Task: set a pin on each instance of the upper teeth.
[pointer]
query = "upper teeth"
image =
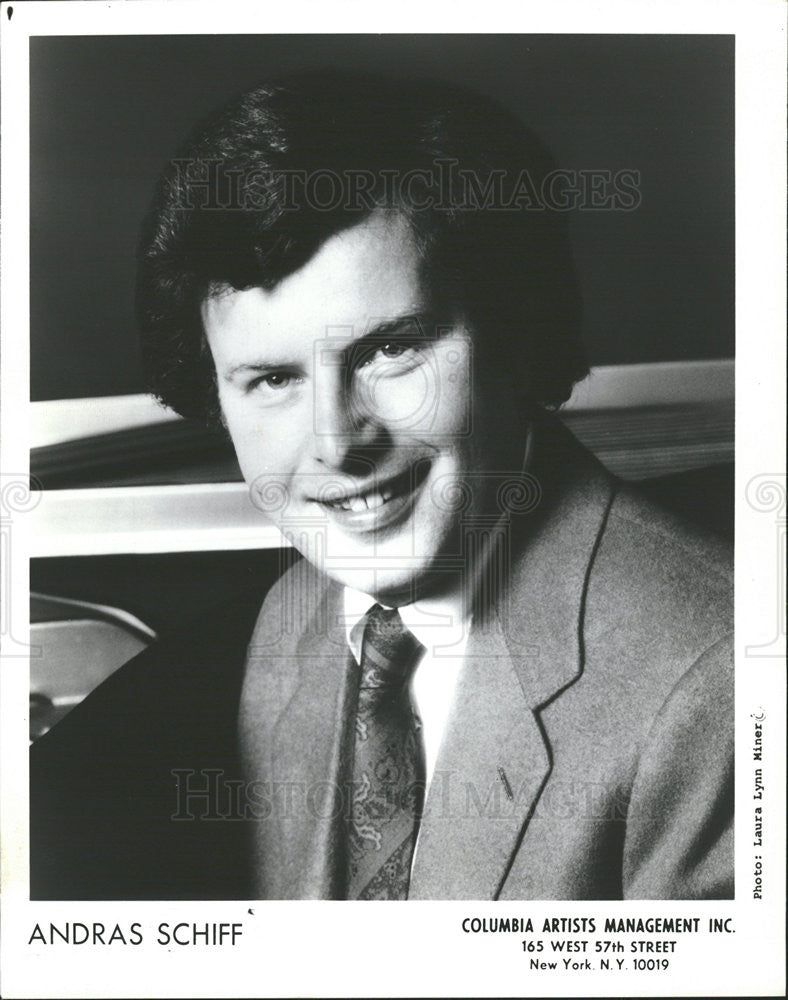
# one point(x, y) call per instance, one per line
point(366, 501)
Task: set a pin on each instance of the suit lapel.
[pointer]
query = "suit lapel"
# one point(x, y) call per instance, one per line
point(492, 764)
point(524, 650)
point(296, 701)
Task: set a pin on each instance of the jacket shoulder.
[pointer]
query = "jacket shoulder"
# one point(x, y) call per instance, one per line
point(634, 516)
point(679, 841)
point(659, 597)
point(654, 569)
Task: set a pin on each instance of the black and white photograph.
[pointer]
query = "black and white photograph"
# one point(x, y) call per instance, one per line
point(386, 465)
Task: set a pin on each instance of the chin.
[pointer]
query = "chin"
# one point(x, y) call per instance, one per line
point(395, 570)
point(393, 586)
point(390, 588)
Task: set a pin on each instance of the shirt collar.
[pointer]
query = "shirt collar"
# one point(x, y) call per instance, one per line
point(437, 622)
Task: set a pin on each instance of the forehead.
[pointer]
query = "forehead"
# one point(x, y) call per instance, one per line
point(370, 272)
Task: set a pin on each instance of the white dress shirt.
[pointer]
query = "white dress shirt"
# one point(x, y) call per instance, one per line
point(442, 628)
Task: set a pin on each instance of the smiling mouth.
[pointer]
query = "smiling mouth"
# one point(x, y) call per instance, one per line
point(396, 488)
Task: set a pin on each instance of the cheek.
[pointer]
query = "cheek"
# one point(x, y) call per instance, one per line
point(404, 405)
point(430, 402)
point(435, 402)
point(268, 464)
point(264, 445)
point(453, 397)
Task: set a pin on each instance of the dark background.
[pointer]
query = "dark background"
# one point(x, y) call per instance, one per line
point(107, 112)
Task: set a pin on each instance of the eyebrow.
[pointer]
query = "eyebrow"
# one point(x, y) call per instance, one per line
point(389, 329)
point(422, 318)
point(257, 367)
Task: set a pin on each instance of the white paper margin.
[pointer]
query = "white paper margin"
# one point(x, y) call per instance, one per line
point(340, 949)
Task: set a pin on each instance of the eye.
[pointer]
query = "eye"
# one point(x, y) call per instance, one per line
point(405, 353)
point(273, 382)
point(392, 350)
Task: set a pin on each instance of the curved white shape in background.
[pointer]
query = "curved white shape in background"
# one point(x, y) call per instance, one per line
point(653, 440)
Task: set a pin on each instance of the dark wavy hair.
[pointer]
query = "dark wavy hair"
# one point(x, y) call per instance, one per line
point(256, 190)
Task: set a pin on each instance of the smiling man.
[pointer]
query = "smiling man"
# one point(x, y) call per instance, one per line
point(497, 672)
point(361, 427)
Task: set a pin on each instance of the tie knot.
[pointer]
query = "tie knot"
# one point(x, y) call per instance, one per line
point(390, 651)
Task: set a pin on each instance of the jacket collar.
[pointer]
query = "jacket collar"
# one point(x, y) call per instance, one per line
point(542, 612)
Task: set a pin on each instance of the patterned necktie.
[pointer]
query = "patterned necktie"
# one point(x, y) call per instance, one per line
point(388, 771)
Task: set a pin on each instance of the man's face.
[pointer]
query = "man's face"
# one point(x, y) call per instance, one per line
point(360, 420)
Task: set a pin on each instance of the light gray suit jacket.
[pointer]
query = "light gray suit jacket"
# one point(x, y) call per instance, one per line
point(599, 683)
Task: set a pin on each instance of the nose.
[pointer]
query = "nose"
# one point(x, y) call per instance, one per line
point(346, 438)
